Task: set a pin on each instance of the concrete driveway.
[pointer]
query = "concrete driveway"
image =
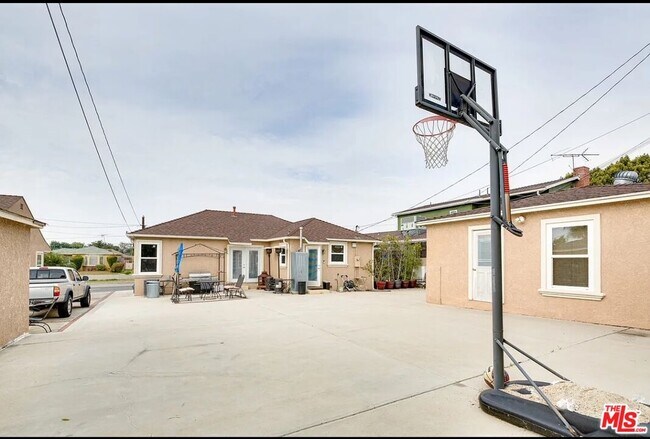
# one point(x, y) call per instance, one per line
point(336, 364)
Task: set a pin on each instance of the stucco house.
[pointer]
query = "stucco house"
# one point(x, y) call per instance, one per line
point(92, 255)
point(584, 256)
point(230, 243)
point(17, 254)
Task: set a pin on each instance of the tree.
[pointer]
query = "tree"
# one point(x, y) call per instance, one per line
point(104, 245)
point(126, 248)
point(110, 260)
point(55, 259)
point(641, 165)
point(78, 261)
point(54, 245)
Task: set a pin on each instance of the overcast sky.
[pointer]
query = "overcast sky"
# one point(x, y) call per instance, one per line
point(295, 111)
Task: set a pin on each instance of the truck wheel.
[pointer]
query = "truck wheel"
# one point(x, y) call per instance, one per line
point(85, 301)
point(65, 309)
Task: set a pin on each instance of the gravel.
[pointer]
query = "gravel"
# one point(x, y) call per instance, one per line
point(588, 401)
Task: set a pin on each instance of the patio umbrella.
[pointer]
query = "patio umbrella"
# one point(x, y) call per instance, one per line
point(179, 257)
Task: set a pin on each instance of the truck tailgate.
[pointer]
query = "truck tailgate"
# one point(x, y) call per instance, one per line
point(40, 293)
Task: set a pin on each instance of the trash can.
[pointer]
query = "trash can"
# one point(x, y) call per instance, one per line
point(151, 288)
point(302, 287)
point(326, 285)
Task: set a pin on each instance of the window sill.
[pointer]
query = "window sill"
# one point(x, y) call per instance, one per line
point(138, 275)
point(337, 264)
point(571, 294)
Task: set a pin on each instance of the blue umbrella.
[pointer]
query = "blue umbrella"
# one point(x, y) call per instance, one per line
point(179, 257)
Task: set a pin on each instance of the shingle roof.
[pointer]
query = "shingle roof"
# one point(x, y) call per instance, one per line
point(6, 201)
point(245, 227)
point(565, 196)
point(237, 227)
point(486, 198)
point(316, 230)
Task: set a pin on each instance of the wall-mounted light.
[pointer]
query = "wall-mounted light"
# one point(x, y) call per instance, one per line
point(520, 219)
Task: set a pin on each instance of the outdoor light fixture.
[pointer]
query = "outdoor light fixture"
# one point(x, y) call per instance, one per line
point(278, 250)
point(520, 219)
point(269, 251)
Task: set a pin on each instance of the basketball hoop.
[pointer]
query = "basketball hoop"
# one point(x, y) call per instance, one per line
point(434, 134)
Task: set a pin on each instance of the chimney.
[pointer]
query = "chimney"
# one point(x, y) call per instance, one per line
point(143, 221)
point(583, 173)
point(234, 210)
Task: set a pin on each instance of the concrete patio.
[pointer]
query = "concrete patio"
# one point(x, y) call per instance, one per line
point(333, 364)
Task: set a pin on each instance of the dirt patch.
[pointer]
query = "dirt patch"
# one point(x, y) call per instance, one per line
point(588, 401)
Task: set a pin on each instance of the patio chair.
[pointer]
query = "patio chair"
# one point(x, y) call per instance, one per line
point(235, 289)
point(44, 308)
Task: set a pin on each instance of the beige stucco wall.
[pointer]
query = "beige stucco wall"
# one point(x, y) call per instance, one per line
point(14, 280)
point(624, 267)
point(209, 265)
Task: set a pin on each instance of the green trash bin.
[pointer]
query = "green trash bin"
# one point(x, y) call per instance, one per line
point(151, 288)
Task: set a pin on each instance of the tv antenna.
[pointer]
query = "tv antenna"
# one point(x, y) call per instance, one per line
point(583, 154)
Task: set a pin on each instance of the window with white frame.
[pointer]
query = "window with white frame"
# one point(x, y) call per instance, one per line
point(338, 253)
point(150, 252)
point(93, 260)
point(571, 257)
point(39, 259)
point(283, 256)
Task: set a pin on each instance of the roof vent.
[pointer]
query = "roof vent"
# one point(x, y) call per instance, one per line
point(626, 177)
point(234, 210)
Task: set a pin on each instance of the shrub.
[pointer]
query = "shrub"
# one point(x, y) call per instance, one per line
point(55, 259)
point(111, 260)
point(100, 267)
point(78, 261)
point(127, 272)
point(117, 267)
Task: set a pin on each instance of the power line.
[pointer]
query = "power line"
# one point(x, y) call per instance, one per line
point(92, 99)
point(581, 114)
point(609, 162)
point(568, 149)
point(84, 115)
point(527, 136)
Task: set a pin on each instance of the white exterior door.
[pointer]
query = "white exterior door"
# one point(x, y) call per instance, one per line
point(314, 266)
point(246, 261)
point(481, 274)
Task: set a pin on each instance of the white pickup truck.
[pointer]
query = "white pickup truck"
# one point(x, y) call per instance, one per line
point(62, 283)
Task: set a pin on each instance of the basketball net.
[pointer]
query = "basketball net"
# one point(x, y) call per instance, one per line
point(434, 134)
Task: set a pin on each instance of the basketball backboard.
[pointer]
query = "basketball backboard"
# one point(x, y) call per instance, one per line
point(445, 72)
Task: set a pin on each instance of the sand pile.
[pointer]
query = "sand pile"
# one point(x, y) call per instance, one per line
point(588, 401)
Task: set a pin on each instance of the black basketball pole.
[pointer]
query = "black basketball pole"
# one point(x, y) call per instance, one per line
point(499, 217)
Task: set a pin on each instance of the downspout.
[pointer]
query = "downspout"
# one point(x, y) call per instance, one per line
point(300, 249)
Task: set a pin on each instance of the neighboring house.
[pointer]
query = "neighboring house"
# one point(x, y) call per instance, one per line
point(16, 226)
point(230, 243)
point(584, 256)
point(93, 256)
point(407, 219)
point(38, 246)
